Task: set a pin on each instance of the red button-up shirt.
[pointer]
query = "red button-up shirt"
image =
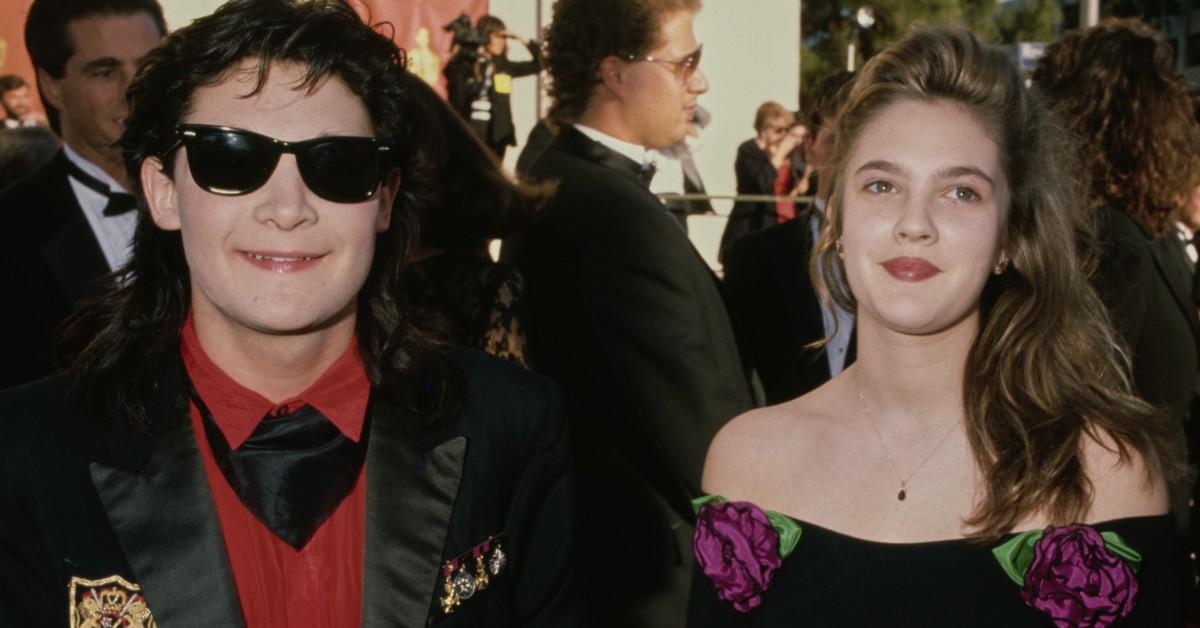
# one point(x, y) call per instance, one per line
point(278, 586)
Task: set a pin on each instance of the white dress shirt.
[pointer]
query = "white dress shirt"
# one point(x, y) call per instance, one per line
point(639, 154)
point(114, 233)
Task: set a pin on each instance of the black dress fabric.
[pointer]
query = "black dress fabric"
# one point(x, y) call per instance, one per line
point(832, 580)
point(478, 300)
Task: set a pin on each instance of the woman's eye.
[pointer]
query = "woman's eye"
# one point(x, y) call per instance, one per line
point(964, 194)
point(880, 187)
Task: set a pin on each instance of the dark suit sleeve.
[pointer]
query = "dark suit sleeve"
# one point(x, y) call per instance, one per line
point(543, 508)
point(518, 69)
point(26, 579)
point(755, 174)
point(642, 296)
point(1123, 277)
point(744, 273)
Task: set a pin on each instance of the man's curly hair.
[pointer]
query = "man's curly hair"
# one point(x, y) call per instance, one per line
point(583, 32)
point(1116, 87)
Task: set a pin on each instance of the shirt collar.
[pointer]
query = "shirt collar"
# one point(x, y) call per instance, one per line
point(340, 393)
point(94, 170)
point(639, 154)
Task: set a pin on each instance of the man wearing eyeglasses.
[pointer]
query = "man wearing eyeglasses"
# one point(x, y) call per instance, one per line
point(623, 312)
point(254, 430)
point(70, 222)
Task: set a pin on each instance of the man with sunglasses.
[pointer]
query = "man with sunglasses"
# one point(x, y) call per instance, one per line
point(70, 221)
point(623, 313)
point(254, 430)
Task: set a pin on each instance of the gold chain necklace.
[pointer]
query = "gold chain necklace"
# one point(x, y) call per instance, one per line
point(891, 460)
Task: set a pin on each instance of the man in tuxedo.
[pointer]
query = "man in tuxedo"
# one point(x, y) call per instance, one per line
point(774, 307)
point(70, 221)
point(252, 431)
point(623, 313)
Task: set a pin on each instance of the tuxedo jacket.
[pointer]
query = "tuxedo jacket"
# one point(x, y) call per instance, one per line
point(49, 257)
point(625, 315)
point(775, 310)
point(1146, 285)
point(85, 502)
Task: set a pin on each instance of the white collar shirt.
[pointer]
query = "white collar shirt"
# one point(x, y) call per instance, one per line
point(114, 233)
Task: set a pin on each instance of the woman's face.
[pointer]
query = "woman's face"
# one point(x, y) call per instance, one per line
point(923, 204)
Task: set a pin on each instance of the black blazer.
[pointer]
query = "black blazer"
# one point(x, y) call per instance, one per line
point(81, 500)
point(1147, 286)
point(628, 319)
point(48, 259)
point(775, 311)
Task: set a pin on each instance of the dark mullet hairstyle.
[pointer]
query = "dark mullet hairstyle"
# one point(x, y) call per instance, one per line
point(118, 344)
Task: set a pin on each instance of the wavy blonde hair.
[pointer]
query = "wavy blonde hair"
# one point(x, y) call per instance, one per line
point(1046, 367)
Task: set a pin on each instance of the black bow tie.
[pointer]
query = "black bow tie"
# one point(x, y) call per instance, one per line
point(647, 172)
point(293, 471)
point(118, 202)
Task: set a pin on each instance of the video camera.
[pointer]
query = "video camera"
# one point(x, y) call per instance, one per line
point(465, 36)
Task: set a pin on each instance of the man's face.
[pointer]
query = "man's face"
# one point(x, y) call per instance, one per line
point(90, 96)
point(658, 99)
point(279, 259)
point(16, 102)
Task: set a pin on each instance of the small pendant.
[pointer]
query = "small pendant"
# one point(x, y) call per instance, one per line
point(901, 495)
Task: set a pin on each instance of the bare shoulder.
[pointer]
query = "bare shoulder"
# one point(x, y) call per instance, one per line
point(753, 451)
point(1127, 487)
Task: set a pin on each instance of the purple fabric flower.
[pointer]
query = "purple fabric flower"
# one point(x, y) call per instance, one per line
point(1078, 581)
point(738, 550)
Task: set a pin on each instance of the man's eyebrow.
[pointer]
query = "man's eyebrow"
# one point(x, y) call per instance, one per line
point(103, 63)
point(965, 171)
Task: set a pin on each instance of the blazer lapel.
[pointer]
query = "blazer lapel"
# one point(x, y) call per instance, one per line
point(1171, 262)
point(158, 501)
point(411, 492)
point(572, 141)
point(72, 253)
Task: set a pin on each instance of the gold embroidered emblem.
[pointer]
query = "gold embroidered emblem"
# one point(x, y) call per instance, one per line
point(111, 602)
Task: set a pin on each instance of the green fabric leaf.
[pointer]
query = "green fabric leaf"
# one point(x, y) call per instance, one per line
point(705, 500)
point(1116, 545)
point(1016, 554)
point(788, 529)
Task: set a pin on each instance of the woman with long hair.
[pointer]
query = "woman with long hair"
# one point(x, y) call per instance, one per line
point(983, 463)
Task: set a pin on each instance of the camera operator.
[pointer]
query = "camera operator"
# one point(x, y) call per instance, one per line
point(479, 78)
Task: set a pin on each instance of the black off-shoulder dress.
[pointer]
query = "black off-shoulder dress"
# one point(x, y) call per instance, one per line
point(832, 580)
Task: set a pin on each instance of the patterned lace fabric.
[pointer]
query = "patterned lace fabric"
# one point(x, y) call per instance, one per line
point(478, 301)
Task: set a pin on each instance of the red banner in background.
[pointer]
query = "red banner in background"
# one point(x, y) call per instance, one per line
point(13, 59)
point(417, 28)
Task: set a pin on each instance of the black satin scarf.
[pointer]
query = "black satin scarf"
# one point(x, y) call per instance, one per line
point(293, 471)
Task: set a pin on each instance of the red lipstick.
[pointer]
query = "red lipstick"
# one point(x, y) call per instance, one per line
point(910, 268)
point(282, 262)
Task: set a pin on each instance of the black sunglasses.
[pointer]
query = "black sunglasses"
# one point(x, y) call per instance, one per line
point(230, 161)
